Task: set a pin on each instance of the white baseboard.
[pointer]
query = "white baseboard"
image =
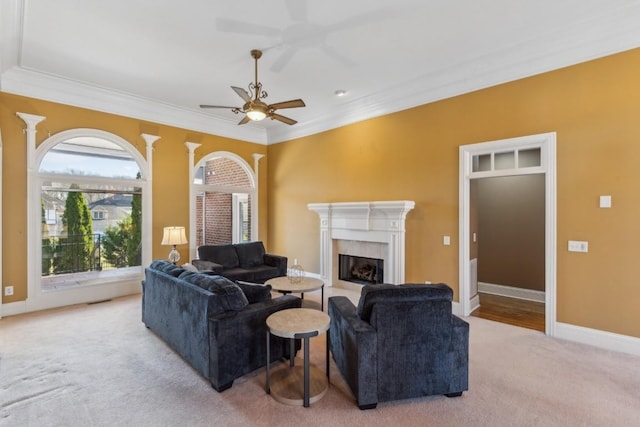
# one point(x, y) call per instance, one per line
point(511, 292)
point(597, 338)
point(456, 308)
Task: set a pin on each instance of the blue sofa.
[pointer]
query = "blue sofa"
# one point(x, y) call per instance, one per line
point(399, 342)
point(217, 326)
point(241, 261)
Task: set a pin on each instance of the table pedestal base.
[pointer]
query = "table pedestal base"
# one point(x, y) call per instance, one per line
point(287, 384)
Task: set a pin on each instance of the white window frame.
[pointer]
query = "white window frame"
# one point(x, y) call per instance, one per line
point(102, 286)
point(195, 189)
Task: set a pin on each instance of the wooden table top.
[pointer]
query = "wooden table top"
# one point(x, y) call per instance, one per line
point(305, 284)
point(287, 323)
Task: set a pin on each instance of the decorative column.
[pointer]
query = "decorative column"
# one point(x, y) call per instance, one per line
point(147, 202)
point(192, 147)
point(256, 199)
point(32, 234)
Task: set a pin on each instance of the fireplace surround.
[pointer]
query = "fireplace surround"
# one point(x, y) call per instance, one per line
point(365, 229)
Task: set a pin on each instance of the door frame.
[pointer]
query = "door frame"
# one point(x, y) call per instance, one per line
point(547, 144)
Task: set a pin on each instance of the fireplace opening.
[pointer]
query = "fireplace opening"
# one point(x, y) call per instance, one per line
point(361, 270)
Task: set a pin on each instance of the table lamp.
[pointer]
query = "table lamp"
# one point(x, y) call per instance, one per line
point(174, 236)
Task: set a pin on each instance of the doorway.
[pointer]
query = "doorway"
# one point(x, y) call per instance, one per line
point(529, 155)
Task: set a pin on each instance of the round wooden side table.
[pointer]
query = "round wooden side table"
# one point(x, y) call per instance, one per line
point(294, 386)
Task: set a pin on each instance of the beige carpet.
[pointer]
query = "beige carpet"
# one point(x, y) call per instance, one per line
point(97, 365)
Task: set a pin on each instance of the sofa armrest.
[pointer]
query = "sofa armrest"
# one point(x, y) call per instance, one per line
point(237, 340)
point(276, 261)
point(204, 265)
point(459, 379)
point(353, 343)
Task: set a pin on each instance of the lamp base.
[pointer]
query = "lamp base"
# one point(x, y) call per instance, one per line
point(174, 255)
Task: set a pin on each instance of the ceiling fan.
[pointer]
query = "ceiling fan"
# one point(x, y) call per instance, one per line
point(254, 107)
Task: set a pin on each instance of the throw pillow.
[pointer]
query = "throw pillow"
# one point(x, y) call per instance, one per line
point(255, 292)
point(230, 294)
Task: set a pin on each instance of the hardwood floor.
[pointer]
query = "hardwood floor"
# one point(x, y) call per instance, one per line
point(526, 314)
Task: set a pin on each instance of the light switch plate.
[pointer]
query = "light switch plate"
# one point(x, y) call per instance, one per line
point(605, 201)
point(578, 246)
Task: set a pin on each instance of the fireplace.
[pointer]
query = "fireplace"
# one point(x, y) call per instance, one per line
point(361, 270)
point(363, 229)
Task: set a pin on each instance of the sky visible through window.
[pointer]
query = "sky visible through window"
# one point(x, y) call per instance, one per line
point(88, 156)
point(79, 164)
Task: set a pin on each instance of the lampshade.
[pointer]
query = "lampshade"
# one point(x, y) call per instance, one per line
point(174, 236)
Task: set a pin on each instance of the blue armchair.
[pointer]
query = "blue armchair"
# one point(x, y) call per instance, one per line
point(400, 342)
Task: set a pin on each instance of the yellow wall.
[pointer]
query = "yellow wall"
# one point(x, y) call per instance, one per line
point(170, 172)
point(594, 108)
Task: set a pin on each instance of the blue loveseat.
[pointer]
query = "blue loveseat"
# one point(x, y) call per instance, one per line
point(399, 342)
point(216, 325)
point(241, 261)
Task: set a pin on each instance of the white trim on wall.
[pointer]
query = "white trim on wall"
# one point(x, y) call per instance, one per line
point(598, 338)
point(1, 233)
point(511, 292)
point(124, 285)
point(547, 144)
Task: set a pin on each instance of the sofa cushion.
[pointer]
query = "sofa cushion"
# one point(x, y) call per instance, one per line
point(255, 292)
point(225, 255)
point(250, 254)
point(372, 294)
point(204, 265)
point(231, 295)
point(167, 267)
point(189, 267)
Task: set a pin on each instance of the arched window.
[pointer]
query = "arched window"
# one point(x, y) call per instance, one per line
point(224, 189)
point(90, 186)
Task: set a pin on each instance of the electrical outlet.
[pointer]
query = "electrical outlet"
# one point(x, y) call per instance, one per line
point(578, 246)
point(8, 291)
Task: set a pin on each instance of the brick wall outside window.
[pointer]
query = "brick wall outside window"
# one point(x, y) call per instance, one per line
point(214, 209)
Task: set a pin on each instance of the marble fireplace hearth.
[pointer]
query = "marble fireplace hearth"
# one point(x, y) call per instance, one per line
point(365, 229)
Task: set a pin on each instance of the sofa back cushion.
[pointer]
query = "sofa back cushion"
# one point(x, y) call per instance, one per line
point(167, 267)
point(373, 294)
point(230, 294)
point(225, 255)
point(255, 292)
point(250, 254)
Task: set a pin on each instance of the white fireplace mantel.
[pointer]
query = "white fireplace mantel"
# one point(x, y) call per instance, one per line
point(380, 222)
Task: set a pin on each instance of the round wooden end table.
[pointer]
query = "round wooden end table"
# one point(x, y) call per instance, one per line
point(294, 386)
point(303, 284)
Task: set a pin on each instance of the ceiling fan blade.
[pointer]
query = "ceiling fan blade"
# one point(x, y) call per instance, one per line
point(331, 52)
point(284, 59)
point(294, 103)
point(244, 120)
point(297, 9)
point(373, 16)
point(239, 27)
point(216, 106)
point(241, 93)
point(283, 119)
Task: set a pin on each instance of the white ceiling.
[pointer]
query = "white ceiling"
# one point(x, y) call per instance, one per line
point(157, 60)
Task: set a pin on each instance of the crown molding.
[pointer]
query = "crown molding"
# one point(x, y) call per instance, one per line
point(25, 82)
point(576, 43)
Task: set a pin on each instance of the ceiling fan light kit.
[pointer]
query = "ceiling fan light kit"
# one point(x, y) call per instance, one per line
point(254, 108)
